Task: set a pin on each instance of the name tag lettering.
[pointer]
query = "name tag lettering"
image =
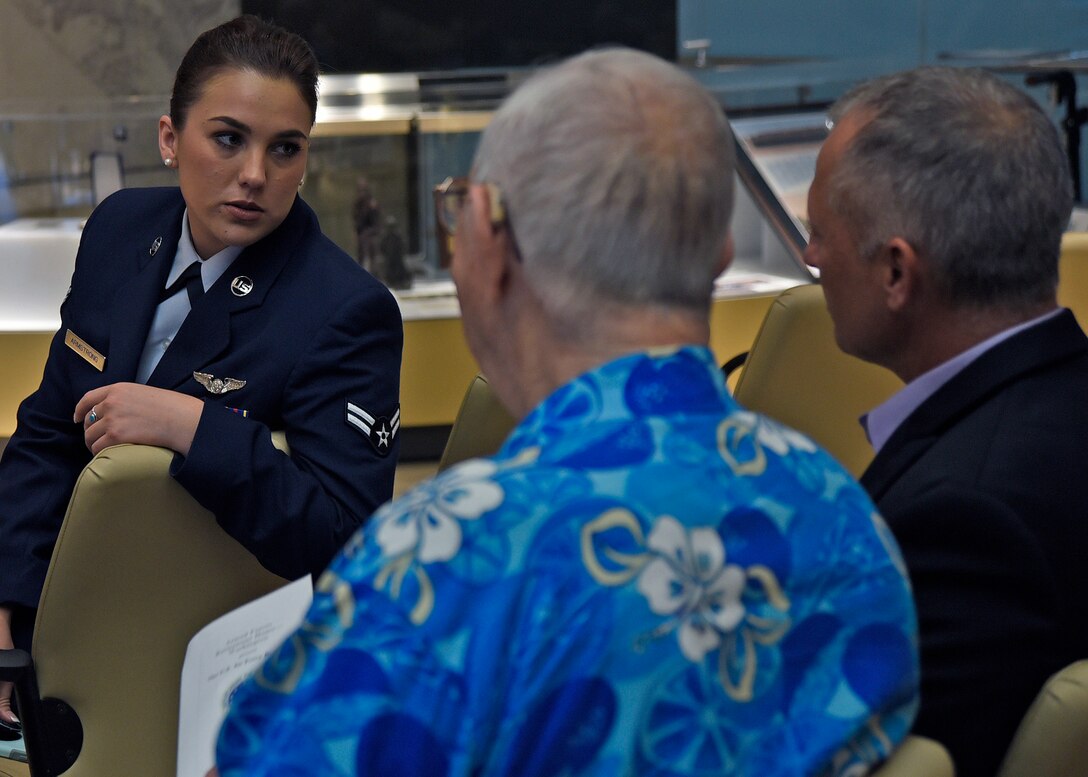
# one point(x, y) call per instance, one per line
point(90, 355)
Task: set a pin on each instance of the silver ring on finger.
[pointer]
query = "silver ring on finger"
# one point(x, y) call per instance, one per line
point(92, 417)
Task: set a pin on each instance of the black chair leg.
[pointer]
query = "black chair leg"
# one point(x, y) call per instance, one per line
point(52, 732)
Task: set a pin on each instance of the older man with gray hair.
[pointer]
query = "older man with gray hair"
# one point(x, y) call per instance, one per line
point(937, 214)
point(646, 579)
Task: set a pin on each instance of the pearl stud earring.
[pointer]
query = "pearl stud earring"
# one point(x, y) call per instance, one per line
point(169, 162)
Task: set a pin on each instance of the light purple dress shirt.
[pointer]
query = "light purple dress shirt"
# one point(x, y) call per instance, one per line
point(882, 421)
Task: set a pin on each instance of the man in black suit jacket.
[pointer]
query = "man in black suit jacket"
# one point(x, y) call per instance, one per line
point(937, 212)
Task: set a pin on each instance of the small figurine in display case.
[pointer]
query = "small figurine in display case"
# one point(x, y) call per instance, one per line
point(366, 213)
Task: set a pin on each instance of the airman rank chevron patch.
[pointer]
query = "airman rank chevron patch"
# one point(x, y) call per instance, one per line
point(381, 431)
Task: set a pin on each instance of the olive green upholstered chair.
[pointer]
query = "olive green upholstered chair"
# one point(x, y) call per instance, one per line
point(1073, 275)
point(917, 757)
point(796, 374)
point(480, 428)
point(1052, 740)
point(139, 567)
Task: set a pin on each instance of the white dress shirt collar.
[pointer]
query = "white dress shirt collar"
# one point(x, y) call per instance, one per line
point(171, 312)
point(210, 268)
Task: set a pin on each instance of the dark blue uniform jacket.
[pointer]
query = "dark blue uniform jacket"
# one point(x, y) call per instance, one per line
point(315, 335)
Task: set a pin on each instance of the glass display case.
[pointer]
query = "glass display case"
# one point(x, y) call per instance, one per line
point(379, 146)
point(383, 142)
point(776, 161)
point(55, 157)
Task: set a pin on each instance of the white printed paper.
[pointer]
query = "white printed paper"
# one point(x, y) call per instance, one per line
point(220, 657)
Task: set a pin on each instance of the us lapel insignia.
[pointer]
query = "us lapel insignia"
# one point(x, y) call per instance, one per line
point(217, 385)
point(155, 246)
point(241, 286)
point(381, 431)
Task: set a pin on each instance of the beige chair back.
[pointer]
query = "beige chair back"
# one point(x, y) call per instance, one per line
point(1073, 275)
point(796, 374)
point(1052, 740)
point(138, 568)
point(917, 757)
point(480, 428)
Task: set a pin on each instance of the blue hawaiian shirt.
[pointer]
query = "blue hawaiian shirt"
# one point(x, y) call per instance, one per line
point(647, 579)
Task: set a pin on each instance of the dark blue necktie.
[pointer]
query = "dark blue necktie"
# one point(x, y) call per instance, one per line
point(190, 279)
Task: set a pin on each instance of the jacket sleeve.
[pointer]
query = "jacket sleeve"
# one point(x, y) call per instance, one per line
point(990, 632)
point(46, 453)
point(40, 465)
point(295, 512)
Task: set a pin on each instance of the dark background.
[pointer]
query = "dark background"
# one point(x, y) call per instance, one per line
point(387, 36)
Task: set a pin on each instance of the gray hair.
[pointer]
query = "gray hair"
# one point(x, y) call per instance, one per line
point(969, 170)
point(617, 173)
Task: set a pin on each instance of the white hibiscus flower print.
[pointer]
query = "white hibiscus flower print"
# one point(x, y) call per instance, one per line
point(427, 525)
point(780, 439)
point(689, 580)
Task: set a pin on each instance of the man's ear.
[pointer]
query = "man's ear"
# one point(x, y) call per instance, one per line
point(492, 250)
point(901, 273)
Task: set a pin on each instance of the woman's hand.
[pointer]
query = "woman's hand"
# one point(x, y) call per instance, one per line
point(6, 715)
point(135, 413)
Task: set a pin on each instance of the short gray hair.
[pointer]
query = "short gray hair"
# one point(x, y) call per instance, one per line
point(967, 168)
point(617, 173)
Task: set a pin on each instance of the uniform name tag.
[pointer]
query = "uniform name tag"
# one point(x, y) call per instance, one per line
point(90, 355)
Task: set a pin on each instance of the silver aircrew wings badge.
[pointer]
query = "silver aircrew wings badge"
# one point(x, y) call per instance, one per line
point(381, 431)
point(218, 385)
